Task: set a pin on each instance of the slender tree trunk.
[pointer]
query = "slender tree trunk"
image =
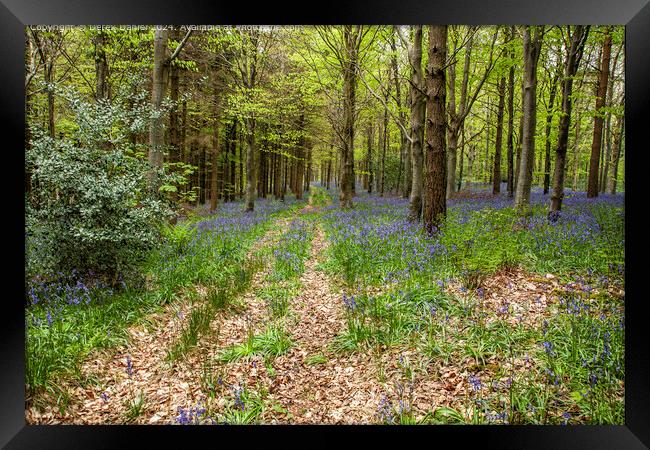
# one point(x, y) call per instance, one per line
point(173, 114)
point(384, 142)
point(576, 154)
point(329, 168)
point(511, 118)
point(532, 47)
point(616, 154)
point(609, 127)
point(101, 66)
point(592, 183)
point(250, 164)
point(547, 135)
point(417, 124)
point(461, 152)
point(404, 143)
point(570, 68)
point(215, 156)
point(496, 176)
point(435, 206)
point(369, 158)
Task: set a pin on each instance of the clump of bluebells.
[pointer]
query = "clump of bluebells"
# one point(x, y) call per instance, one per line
point(575, 356)
point(192, 416)
point(375, 243)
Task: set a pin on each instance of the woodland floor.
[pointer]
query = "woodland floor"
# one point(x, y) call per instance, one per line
point(311, 382)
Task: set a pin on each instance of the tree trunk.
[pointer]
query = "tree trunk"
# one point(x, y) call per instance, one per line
point(329, 168)
point(351, 37)
point(511, 121)
point(157, 95)
point(592, 184)
point(173, 114)
point(496, 176)
point(609, 127)
point(384, 142)
point(101, 66)
point(547, 135)
point(619, 128)
point(435, 206)
point(370, 180)
point(570, 68)
point(417, 124)
point(404, 143)
point(532, 47)
point(215, 156)
point(251, 179)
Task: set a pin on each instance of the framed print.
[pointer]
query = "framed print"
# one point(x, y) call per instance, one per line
point(369, 218)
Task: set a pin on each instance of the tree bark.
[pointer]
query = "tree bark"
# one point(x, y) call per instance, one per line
point(496, 176)
point(157, 94)
point(351, 37)
point(547, 134)
point(592, 183)
point(250, 164)
point(572, 61)
point(101, 66)
point(215, 154)
point(616, 153)
point(417, 123)
point(532, 47)
point(435, 206)
point(404, 142)
point(511, 121)
point(384, 142)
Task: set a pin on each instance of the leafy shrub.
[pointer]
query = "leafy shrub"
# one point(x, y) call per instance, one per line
point(90, 206)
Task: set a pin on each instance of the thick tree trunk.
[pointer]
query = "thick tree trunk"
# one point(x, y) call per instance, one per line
point(592, 184)
point(570, 68)
point(532, 47)
point(435, 206)
point(157, 95)
point(417, 124)
point(351, 37)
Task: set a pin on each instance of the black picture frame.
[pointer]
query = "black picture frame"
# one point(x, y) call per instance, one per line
point(15, 14)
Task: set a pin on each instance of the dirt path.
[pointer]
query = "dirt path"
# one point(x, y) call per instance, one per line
point(310, 383)
point(164, 386)
point(344, 388)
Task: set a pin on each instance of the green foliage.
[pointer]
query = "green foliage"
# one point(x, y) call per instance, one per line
point(273, 342)
point(90, 208)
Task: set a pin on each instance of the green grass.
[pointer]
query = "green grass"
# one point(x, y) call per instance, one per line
point(316, 359)
point(273, 342)
point(278, 295)
point(184, 260)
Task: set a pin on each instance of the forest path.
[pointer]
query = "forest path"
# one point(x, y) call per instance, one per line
point(112, 390)
point(314, 384)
